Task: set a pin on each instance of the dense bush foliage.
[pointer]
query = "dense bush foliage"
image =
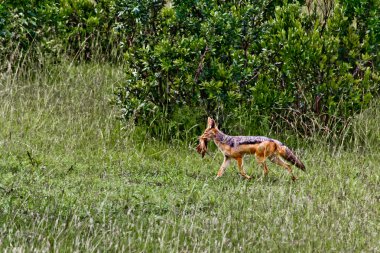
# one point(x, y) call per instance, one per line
point(306, 65)
point(309, 65)
point(311, 69)
point(81, 28)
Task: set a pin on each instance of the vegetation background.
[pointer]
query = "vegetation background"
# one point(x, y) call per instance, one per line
point(102, 102)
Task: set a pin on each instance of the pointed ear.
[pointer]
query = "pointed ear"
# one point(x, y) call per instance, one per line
point(211, 123)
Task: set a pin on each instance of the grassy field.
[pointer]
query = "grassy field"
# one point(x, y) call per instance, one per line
point(72, 178)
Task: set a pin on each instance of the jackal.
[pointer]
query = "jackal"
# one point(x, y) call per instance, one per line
point(237, 146)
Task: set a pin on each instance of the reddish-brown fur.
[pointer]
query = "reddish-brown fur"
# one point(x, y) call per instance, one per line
point(234, 147)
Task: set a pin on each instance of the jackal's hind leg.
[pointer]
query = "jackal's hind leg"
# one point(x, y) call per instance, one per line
point(265, 168)
point(224, 166)
point(275, 159)
point(241, 169)
point(261, 162)
point(261, 155)
point(260, 159)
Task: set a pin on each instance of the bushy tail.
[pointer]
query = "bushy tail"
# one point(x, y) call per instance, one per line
point(289, 156)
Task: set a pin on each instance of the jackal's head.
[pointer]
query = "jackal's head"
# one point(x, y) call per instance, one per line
point(211, 130)
point(207, 135)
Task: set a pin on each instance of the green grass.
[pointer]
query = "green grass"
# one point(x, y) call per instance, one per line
point(72, 178)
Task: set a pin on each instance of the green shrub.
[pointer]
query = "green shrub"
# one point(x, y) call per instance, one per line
point(82, 29)
point(308, 71)
point(269, 64)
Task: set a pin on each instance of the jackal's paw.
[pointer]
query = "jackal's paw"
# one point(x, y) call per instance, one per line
point(247, 177)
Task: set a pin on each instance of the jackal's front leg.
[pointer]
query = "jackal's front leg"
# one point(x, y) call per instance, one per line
point(224, 166)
